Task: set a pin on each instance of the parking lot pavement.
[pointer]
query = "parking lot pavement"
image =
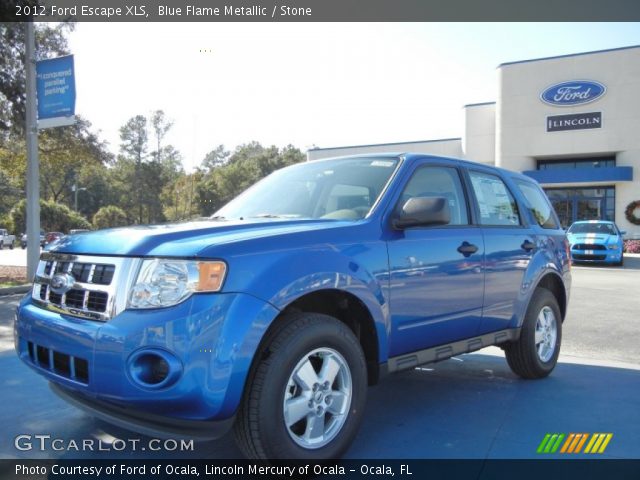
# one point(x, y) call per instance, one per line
point(470, 406)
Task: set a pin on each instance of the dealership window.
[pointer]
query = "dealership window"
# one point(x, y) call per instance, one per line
point(592, 162)
point(591, 203)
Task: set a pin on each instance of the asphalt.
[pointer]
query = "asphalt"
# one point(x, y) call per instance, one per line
point(470, 406)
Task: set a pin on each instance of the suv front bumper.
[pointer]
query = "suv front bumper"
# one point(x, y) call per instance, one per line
point(211, 337)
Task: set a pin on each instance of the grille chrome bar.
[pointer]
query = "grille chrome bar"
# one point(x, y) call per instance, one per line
point(99, 289)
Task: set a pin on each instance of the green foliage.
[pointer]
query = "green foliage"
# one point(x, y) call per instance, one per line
point(139, 179)
point(50, 42)
point(53, 217)
point(67, 156)
point(223, 181)
point(180, 199)
point(110, 216)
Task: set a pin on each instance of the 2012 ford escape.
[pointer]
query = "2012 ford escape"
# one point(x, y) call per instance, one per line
point(272, 316)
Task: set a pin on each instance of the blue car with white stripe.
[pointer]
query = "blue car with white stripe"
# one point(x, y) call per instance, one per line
point(596, 241)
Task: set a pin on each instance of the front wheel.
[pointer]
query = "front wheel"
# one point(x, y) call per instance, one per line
point(306, 397)
point(535, 353)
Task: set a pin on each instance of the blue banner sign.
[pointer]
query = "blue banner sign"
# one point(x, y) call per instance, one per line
point(577, 92)
point(56, 87)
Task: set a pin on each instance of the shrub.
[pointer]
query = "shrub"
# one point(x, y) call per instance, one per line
point(110, 216)
point(632, 246)
point(53, 217)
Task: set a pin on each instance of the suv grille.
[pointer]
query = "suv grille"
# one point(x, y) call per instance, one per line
point(94, 283)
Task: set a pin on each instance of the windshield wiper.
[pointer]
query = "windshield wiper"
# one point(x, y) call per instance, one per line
point(218, 218)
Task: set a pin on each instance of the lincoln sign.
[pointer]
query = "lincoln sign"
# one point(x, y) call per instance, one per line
point(578, 121)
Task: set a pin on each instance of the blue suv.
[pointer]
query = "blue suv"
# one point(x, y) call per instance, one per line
point(273, 316)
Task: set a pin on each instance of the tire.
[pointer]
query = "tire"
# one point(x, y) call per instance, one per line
point(288, 383)
point(526, 357)
point(621, 262)
point(24, 245)
point(1, 245)
point(11, 246)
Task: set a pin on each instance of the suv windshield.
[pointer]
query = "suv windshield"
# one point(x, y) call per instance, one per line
point(601, 228)
point(341, 189)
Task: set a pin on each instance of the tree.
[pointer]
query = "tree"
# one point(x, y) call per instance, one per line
point(133, 136)
point(248, 164)
point(147, 176)
point(66, 154)
point(214, 159)
point(179, 198)
point(134, 139)
point(53, 217)
point(161, 125)
point(50, 42)
point(110, 216)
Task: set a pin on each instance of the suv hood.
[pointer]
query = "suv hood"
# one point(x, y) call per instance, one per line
point(182, 239)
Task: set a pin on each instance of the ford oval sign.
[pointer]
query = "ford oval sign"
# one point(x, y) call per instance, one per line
point(577, 92)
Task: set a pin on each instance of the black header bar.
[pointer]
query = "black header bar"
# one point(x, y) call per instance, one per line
point(318, 10)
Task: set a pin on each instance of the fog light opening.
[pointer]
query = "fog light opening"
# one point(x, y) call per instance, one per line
point(154, 369)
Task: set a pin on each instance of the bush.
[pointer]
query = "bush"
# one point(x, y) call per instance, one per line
point(632, 246)
point(110, 216)
point(53, 217)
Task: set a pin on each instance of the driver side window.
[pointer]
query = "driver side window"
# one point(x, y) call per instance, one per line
point(438, 182)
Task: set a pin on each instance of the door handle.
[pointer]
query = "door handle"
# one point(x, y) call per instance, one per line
point(528, 245)
point(467, 248)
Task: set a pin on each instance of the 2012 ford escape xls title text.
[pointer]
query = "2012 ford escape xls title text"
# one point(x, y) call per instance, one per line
point(272, 316)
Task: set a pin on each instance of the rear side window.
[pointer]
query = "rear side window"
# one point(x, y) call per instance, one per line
point(497, 205)
point(538, 204)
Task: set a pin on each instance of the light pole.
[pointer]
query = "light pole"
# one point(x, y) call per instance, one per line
point(33, 176)
point(75, 190)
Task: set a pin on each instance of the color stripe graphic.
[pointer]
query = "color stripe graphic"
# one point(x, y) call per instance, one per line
point(574, 443)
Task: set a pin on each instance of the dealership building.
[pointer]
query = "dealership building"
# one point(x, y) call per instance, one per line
point(571, 122)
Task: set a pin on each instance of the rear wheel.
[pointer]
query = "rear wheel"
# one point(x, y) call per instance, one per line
point(1, 245)
point(535, 354)
point(306, 397)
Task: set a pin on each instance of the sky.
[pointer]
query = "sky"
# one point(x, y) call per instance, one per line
point(305, 84)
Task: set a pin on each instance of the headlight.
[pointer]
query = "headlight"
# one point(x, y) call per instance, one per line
point(166, 282)
point(613, 246)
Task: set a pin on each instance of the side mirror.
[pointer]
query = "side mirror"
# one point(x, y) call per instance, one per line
point(423, 211)
point(623, 232)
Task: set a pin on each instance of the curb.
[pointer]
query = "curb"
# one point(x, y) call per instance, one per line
point(15, 290)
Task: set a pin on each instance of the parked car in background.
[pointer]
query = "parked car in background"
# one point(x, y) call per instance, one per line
point(23, 240)
point(6, 239)
point(596, 241)
point(51, 237)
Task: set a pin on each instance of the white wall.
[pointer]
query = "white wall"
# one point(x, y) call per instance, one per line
point(479, 139)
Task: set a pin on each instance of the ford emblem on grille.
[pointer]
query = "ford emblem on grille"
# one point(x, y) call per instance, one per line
point(61, 283)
